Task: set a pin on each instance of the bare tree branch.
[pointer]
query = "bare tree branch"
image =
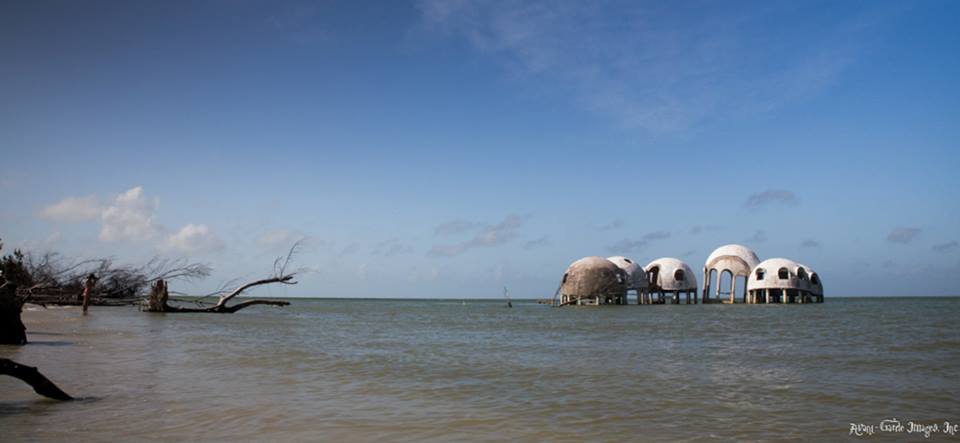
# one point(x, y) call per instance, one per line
point(157, 301)
point(58, 280)
point(279, 276)
point(285, 280)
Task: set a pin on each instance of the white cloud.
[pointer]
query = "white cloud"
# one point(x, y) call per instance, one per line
point(73, 209)
point(193, 239)
point(454, 227)
point(275, 239)
point(391, 247)
point(53, 238)
point(771, 197)
point(130, 217)
point(643, 67)
point(537, 243)
point(488, 236)
point(420, 275)
point(45, 244)
point(616, 224)
point(629, 245)
point(903, 234)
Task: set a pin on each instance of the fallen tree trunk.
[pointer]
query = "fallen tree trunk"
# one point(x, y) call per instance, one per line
point(157, 302)
point(12, 330)
point(29, 374)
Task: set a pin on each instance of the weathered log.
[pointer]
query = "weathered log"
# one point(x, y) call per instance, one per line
point(239, 306)
point(29, 374)
point(12, 330)
point(285, 279)
point(157, 301)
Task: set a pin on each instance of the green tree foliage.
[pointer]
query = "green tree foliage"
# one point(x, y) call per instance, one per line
point(13, 268)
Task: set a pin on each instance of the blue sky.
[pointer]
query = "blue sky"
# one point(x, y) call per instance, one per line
point(449, 148)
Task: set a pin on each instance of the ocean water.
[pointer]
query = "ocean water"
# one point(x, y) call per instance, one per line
point(447, 370)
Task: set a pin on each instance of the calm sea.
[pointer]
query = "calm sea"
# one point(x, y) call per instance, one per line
point(447, 370)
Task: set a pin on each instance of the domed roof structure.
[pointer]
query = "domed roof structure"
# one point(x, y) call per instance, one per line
point(778, 273)
point(737, 259)
point(671, 274)
point(636, 276)
point(594, 277)
point(814, 285)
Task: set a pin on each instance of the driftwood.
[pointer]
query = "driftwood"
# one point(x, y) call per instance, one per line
point(12, 330)
point(157, 301)
point(42, 385)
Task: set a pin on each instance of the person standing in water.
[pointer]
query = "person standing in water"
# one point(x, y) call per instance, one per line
point(88, 285)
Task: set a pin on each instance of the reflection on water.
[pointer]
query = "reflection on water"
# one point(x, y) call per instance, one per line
point(368, 370)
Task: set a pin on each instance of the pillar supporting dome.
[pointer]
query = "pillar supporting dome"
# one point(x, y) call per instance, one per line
point(780, 280)
point(671, 277)
point(735, 260)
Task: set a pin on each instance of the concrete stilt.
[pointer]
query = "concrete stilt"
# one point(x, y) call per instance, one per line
point(733, 288)
point(706, 284)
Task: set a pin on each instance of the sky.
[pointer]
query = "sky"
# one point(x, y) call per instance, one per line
point(453, 148)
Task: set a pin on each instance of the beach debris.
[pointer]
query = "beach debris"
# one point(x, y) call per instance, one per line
point(159, 295)
point(31, 376)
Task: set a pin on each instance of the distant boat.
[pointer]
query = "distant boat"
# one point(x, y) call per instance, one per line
point(507, 296)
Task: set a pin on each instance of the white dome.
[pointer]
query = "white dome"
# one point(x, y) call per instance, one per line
point(636, 276)
point(668, 277)
point(778, 273)
point(814, 285)
point(737, 259)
